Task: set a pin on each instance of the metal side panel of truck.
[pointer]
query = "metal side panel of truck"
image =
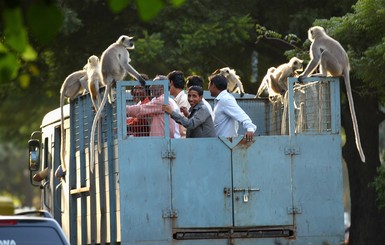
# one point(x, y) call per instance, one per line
point(284, 187)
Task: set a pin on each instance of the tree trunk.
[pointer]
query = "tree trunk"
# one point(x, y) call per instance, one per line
point(367, 221)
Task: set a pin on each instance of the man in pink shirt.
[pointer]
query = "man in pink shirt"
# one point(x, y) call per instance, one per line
point(154, 110)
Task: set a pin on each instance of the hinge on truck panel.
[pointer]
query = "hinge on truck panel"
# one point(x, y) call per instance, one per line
point(292, 151)
point(169, 213)
point(294, 210)
point(168, 154)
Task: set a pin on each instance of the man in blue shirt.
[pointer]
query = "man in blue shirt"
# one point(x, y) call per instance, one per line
point(227, 112)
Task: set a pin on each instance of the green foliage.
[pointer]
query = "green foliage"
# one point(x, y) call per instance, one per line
point(149, 9)
point(117, 6)
point(44, 21)
point(379, 185)
point(148, 49)
point(15, 35)
point(14, 43)
point(290, 39)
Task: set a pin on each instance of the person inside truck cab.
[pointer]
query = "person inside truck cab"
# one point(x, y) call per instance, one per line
point(227, 112)
point(199, 122)
point(153, 109)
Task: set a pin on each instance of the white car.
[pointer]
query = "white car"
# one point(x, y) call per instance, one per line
point(31, 230)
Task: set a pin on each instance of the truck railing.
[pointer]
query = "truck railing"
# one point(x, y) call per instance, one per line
point(307, 108)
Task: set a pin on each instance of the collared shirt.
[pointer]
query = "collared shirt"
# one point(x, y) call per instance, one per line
point(154, 110)
point(207, 104)
point(139, 126)
point(227, 114)
point(182, 101)
point(199, 124)
point(177, 133)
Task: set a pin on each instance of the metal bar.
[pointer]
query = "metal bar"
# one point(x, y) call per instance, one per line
point(335, 102)
point(56, 182)
point(80, 190)
point(111, 172)
point(83, 169)
point(92, 212)
point(291, 81)
point(72, 176)
point(102, 185)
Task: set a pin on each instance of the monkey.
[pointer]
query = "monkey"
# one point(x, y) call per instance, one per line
point(94, 75)
point(265, 82)
point(115, 64)
point(278, 78)
point(332, 59)
point(234, 84)
point(73, 85)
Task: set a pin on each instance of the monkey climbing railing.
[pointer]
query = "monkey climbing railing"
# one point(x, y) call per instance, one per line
point(306, 108)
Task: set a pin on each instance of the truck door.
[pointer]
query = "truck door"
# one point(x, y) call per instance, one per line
point(201, 174)
point(230, 183)
point(262, 189)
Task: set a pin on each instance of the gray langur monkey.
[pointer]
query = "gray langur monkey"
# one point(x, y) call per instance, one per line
point(234, 84)
point(74, 85)
point(94, 75)
point(278, 78)
point(115, 64)
point(265, 82)
point(332, 59)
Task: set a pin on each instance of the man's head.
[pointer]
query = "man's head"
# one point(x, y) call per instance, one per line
point(217, 83)
point(194, 80)
point(194, 95)
point(176, 82)
point(157, 90)
point(138, 93)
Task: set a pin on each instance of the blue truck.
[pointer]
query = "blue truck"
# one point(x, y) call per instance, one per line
point(284, 187)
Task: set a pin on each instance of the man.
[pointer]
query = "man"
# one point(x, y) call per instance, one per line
point(227, 112)
point(138, 127)
point(154, 110)
point(195, 80)
point(177, 84)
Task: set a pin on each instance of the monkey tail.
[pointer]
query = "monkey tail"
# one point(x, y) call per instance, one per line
point(62, 147)
point(354, 119)
point(94, 123)
point(99, 127)
point(261, 88)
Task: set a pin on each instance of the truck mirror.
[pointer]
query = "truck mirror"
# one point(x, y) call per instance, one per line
point(34, 154)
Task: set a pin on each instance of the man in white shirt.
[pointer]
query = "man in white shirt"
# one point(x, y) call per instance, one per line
point(227, 112)
point(177, 84)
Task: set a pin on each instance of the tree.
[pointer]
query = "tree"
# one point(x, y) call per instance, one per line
point(363, 33)
point(199, 37)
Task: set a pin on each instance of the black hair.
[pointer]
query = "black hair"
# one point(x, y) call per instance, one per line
point(177, 78)
point(219, 81)
point(198, 89)
point(194, 80)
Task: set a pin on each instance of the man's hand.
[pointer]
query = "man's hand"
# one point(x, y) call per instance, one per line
point(249, 136)
point(167, 109)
